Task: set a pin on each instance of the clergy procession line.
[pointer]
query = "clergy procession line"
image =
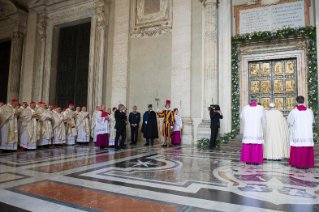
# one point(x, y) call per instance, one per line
point(270, 136)
point(39, 125)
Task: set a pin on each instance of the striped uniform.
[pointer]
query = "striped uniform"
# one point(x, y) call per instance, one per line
point(169, 119)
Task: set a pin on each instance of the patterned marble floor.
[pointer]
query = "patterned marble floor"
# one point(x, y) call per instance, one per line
point(183, 178)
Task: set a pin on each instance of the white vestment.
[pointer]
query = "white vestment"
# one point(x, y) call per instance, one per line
point(112, 129)
point(29, 129)
point(276, 136)
point(71, 126)
point(83, 125)
point(58, 129)
point(253, 118)
point(102, 124)
point(178, 123)
point(93, 124)
point(46, 132)
point(301, 124)
point(9, 129)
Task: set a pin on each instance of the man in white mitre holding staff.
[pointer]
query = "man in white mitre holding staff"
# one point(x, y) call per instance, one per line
point(70, 116)
point(46, 129)
point(59, 127)
point(9, 126)
point(29, 127)
point(83, 124)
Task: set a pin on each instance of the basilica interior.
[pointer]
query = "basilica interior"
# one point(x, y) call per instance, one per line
point(195, 53)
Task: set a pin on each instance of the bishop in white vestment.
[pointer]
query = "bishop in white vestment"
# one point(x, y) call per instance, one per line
point(301, 120)
point(276, 135)
point(253, 116)
point(83, 125)
point(59, 127)
point(9, 126)
point(46, 127)
point(29, 127)
point(69, 116)
point(93, 123)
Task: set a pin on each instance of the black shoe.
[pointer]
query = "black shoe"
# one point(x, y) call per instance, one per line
point(146, 144)
point(123, 147)
point(131, 143)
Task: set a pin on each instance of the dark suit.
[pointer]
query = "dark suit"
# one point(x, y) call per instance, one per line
point(120, 119)
point(214, 126)
point(134, 118)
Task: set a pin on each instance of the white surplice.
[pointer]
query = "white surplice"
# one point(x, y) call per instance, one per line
point(29, 129)
point(93, 124)
point(102, 125)
point(178, 123)
point(46, 132)
point(112, 129)
point(9, 129)
point(276, 136)
point(301, 124)
point(71, 126)
point(253, 118)
point(83, 126)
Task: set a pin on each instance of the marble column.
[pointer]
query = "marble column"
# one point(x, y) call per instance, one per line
point(15, 66)
point(224, 42)
point(181, 64)
point(210, 65)
point(40, 68)
point(99, 56)
point(121, 52)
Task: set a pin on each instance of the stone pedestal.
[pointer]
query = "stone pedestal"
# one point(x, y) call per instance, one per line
point(203, 130)
point(15, 66)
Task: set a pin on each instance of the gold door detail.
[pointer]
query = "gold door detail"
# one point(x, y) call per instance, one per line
point(274, 82)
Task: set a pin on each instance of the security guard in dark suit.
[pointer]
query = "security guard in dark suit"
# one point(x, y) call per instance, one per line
point(215, 116)
point(134, 119)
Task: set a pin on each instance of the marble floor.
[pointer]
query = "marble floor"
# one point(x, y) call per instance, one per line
point(182, 178)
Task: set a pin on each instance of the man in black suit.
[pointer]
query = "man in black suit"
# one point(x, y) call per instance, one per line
point(120, 119)
point(134, 119)
point(215, 116)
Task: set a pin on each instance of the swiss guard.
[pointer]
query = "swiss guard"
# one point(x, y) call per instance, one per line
point(168, 122)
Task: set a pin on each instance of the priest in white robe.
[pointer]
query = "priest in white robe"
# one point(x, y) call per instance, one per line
point(112, 130)
point(253, 116)
point(102, 128)
point(93, 123)
point(46, 127)
point(9, 126)
point(83, 125)
point(301, 120)
point(70, 116)
point(59, 128)
point(29, 128)
point(276, 135)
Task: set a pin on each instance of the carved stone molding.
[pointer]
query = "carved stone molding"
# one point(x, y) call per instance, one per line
point(42, 25)
point(150, 17)
point(100, 17)
point(72, 10)
point(209, 2)
point(17, 37)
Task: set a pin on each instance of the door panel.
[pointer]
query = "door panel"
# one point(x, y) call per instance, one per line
point(5, 49)
point(274, 81)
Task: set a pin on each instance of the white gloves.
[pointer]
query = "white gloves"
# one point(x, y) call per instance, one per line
point(157, 110)
point(146, 122)
point(172, 127)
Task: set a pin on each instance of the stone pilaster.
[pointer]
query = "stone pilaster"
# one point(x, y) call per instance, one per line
point(121, 51)
point(15, 66)
point(181, 64)
point(224, 42)
point(99, 56)
point(210, 65)
point(40, 68)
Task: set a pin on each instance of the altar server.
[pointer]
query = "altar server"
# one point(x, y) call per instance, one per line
point(112, 127)
point(45, 124)
point(102, 128)
point(59, 127)
point(276, 135)
point(9, 126)
point(93, 123)
point(149, 127)
point(29, 128)
point(176, 139)
point(253, 116)
point(168, 122)
point(83, 124)
point(71, 131)
point(301, 120)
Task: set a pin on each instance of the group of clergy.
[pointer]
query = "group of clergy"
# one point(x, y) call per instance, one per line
point(269, 135)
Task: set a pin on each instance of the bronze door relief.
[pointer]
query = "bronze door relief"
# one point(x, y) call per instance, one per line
point(274, 81)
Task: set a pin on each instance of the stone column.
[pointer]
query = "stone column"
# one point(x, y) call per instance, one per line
point(210, 65)
point(224, 42)
point(15, 66)
point(181, 64)
point(121, 51)
point(99, 56)
point(42, 38)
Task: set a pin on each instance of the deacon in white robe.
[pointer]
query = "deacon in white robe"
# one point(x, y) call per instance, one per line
point(301, 120)
point(46, 127)
point(276, 135)
point(83, 125)
point(9, 126)
point(112, 129)
point(93, 123)
point(70, 116)
point(29, 128)
point(59, 128)
point(253, 116)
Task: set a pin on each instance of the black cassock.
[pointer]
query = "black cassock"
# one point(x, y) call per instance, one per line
point(150, 129)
